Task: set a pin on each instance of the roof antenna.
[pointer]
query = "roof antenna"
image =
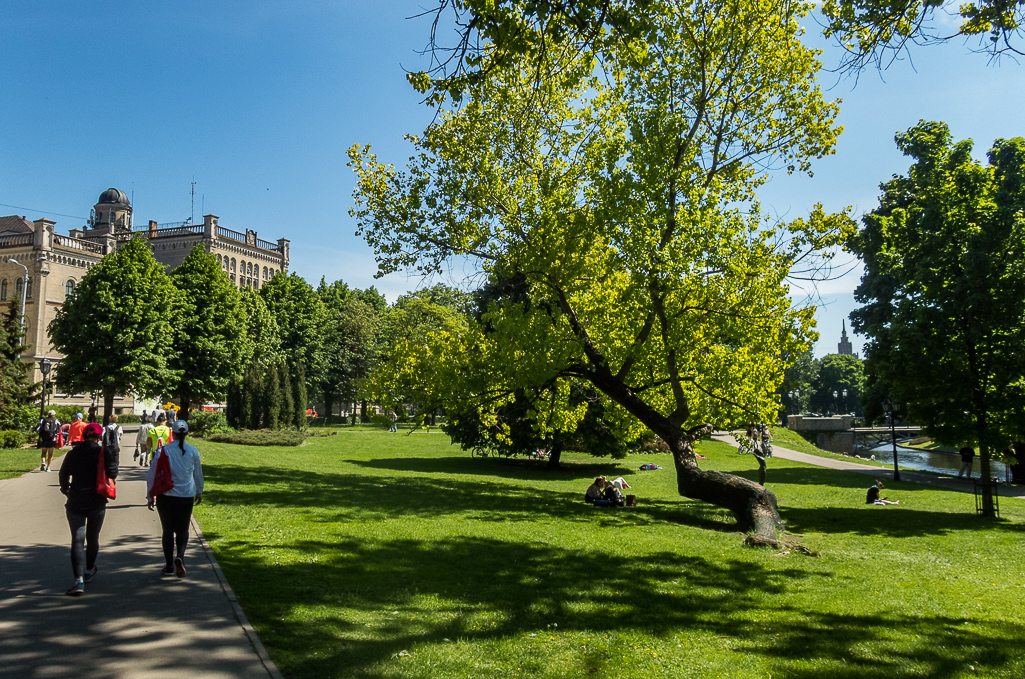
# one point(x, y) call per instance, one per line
point(192, 219)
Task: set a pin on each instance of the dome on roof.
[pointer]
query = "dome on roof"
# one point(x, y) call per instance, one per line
point(112, 195)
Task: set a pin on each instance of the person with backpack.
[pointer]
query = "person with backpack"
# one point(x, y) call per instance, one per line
point(181, 462)
point(142, 451)
point(49, 429)
point(160, 434)
point(85, 508)
point(112, 434)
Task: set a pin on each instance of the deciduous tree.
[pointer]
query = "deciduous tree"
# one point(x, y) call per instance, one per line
point(620, 181)
point(118, 330)
point(213, 344)
point(944, 289)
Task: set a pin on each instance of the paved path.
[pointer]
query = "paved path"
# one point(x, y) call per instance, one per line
point(963, 485)
point(131, 623)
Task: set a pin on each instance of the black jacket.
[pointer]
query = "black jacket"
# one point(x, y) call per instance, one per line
point(78, 476)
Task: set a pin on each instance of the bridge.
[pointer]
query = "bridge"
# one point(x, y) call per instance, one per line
point(839, 435)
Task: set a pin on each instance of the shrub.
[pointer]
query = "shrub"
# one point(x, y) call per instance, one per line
point(23, 418)
point(384, 421)
point(260, 437)
point(207, 422)
point(11, 438)
point(128, 418)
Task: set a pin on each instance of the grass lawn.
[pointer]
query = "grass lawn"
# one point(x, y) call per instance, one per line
point(16, 461)
point(370, 554)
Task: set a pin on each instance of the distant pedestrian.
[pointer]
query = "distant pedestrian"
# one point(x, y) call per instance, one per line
point(967, 460)
point(49, 429)
point(112, 434)
point(85, 508)
point(159, 435)
point(76, 429)
point(142, 451)
point(92, 413)
point(170, 414)
point(175, 506)
point(394, 422)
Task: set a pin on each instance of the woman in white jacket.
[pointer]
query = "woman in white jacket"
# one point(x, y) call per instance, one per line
point(175, 506)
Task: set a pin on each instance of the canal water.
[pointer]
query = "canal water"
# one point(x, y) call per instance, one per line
point(932, 461)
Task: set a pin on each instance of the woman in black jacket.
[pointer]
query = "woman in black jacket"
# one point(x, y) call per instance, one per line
point(85, 508)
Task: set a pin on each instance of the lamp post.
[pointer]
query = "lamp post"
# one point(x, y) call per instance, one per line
point(797, 401)
point(24, 294)
point(845, 401)
point(836, 402)
point(890, 408)
point(44, 367)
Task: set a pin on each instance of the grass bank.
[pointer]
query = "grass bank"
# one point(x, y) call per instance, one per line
point(370, 554)
point(16, 461)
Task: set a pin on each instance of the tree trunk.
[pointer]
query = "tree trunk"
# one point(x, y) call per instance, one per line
point(753, 505)
point(329, 403)
point(108, 407)
point(555, 457)
point(354, 413)
point(185, 408)
point(363, 411)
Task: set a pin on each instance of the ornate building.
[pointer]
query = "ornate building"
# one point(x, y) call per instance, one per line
point(48, 266)
point(844, 347)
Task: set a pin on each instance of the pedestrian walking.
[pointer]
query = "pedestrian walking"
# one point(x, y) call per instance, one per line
point(142, 451)
point(175, 505)
point(49, 429)
point(967, 460)
point(85, 508)
point(159, 434)
point(76, 429)
point(394, 422)
point(112, 434)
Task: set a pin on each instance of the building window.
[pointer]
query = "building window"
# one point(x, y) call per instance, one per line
point(233, 278)
point(28, 291)
point(69, 288)
point(19, 284)
point(218, 260)
point(3, 290)
point(264, 273)
point(233, 268)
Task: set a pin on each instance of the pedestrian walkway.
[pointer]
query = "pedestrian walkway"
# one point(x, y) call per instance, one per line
point(131, 623)
point(963, 485)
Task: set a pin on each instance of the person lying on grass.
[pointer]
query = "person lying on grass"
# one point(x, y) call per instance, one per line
point(872, 498)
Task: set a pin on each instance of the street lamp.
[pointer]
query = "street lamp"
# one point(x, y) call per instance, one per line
point(845, 401)
point(24, 294)
point(890, 408)
point(44, 367)
point(797, 397)
point(836, 402)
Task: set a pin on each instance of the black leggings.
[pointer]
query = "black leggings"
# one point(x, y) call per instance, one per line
point(85, 539)
point(175, 513)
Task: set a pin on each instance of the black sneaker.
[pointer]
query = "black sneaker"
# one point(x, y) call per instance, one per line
point(90, 574)
point(179, 567)
point(168, 570)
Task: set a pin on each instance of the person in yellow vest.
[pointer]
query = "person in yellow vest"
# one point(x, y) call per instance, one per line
point(160, 434)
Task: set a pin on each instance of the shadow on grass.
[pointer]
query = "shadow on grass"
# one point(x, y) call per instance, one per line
point(362, 603)
point(355, 497)
point(518, 468)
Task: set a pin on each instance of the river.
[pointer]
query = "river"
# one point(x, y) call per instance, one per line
point(932, 461)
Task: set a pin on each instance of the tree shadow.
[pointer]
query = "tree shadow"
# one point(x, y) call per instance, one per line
point(522, 469)
point(485, 590)
point(357, 497)
point(898, 521)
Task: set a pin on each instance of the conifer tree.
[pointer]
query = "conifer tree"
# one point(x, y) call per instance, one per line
point(299, 395)
point(252, 393)
point(287, 398)
point(15, 388)
point(271, 398)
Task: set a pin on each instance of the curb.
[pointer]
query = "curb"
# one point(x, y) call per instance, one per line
point(243, 621)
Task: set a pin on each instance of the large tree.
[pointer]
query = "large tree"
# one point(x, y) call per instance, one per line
point(117, 331)
point(619, 179)
point(16, 391)
point(836, 374)
point(300, 317)
point(352, 340)
point(944, 289)
point(214, 344)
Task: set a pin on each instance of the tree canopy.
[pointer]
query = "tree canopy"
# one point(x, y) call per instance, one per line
point(213, 344)
point(117, 330)
point(944, 289)
point(619, 181)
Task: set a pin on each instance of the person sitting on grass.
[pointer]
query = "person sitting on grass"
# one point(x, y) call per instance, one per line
point(872, 498)
point(614, 493)
point(596, 493)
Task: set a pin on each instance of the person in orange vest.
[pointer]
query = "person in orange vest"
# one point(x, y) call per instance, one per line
point(76, 429)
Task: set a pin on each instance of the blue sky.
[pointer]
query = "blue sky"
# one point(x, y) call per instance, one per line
point(258, 101)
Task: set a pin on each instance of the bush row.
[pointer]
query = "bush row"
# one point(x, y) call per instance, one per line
point(11, 438)
point(260, 437)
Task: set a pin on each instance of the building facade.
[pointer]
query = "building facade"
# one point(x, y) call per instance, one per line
point(47, 266)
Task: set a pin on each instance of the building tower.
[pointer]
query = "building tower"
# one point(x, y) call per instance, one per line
point(111, 214)
point(844, 348)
